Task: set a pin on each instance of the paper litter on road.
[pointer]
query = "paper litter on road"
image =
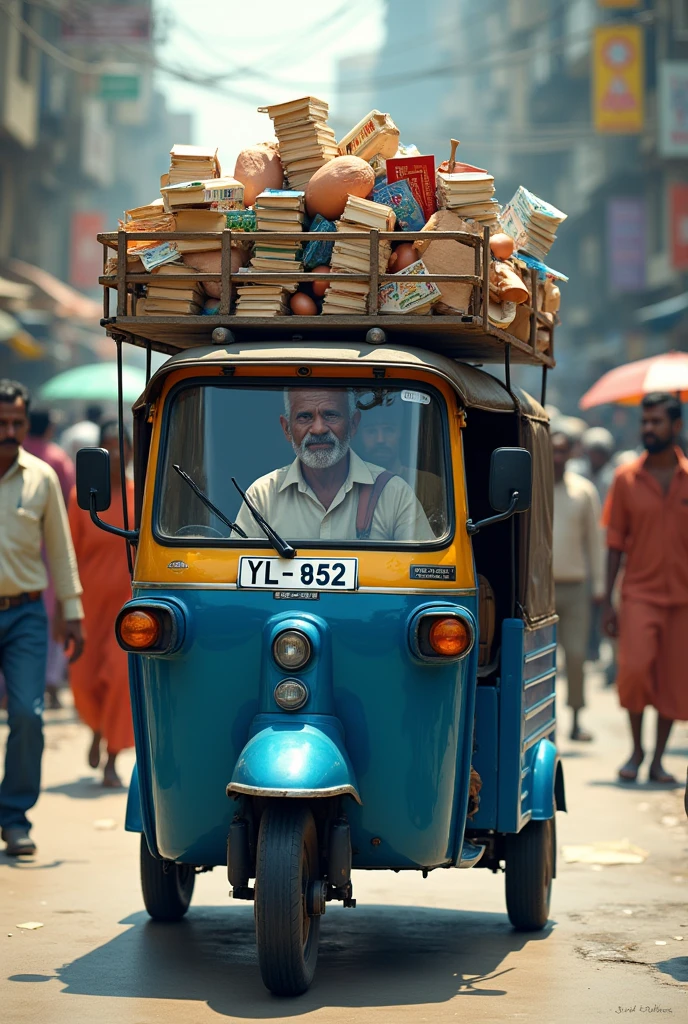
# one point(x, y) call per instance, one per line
point(660, 942)
point(669, 820)
point(607, 854)
point(31, 926)
point(105, 823)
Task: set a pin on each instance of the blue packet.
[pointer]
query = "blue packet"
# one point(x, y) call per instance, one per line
point(316, 253)
point(398, 195)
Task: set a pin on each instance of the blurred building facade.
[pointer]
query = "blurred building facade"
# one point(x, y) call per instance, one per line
point(514, 80)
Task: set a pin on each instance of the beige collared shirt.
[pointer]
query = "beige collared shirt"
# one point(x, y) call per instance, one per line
point(293, 510)
point(32, 512)
point(578, 549)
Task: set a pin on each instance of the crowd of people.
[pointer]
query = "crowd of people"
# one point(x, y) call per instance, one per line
point(634, 504)
point(63, 581)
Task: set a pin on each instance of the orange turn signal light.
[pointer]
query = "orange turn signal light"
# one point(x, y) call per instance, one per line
point(450, 637)
point(139, 629)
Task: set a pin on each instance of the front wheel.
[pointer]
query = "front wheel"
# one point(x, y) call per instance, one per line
point(167, 887)
point(529, 858)
point(287, 860)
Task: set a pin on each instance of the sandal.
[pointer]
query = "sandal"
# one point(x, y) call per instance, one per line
point(662, 777)
point(629, 772)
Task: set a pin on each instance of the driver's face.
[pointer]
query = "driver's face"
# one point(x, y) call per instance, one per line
point(319, 413)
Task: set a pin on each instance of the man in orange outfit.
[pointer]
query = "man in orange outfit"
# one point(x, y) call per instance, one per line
point(646, 515)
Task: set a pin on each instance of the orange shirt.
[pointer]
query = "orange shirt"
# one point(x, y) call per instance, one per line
point(651, 528)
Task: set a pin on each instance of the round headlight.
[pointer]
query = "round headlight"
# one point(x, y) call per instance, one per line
point(291, 694)
point(292, 650)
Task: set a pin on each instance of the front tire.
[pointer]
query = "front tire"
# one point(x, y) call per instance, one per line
point(530, 859)
point(167, 887)
point(287, 860)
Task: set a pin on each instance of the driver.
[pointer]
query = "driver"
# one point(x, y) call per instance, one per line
point(328, 492)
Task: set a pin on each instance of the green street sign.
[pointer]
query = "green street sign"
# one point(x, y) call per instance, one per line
point(119, 87)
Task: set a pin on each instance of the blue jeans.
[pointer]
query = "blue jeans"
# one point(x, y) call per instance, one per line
point(23, 653)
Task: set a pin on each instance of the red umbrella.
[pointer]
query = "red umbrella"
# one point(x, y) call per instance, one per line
point(629, 383)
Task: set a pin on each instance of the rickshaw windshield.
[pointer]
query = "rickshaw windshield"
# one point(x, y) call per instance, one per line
point(324, 464)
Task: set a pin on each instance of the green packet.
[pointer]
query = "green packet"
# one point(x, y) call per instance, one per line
point(240, 220)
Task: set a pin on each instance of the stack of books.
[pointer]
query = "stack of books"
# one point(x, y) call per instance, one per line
point(278, 210)
point(305, 140)
point(191, 163)
point(212, 194)
point(470, 195)
point(531, 222)
point(262, 300)
point(353, 257)
point(179, 297)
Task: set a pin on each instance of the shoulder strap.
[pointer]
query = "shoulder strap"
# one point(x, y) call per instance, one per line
point(368, 497)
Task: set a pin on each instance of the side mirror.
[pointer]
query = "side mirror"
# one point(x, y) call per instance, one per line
point(93, 475)
point(511, 469)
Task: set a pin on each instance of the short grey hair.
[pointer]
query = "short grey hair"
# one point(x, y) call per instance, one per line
point(350, 394)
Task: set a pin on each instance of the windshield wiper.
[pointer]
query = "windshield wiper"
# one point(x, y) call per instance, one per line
point(281, 546)
point(206, 501)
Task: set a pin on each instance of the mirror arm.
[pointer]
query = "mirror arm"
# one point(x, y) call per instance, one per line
point(131, 535)
point(473, 528)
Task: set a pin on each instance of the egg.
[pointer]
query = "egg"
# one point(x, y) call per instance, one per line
point(320, 287)
point(334, 182)
point(302, 305)
point(502, 245)
point(257, 168)
point(403, 256)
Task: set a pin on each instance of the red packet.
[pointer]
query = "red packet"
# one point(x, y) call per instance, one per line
point(419, 171)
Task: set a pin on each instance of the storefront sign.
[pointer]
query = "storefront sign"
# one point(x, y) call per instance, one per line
point(678, 214)
point(626, 244)
point(117, 88)
point(620, 4)
point(618, 79)
point(85, 251)
point(673, 108)
point(106, 23)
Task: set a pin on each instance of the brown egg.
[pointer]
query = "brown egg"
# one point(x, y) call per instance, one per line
point(320, 287)
point(302, 304)
point(257, 168)
point(502, 245)
point(403, 256)
point(332, 184)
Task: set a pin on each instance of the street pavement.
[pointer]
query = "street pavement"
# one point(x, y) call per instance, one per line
point(439, 949)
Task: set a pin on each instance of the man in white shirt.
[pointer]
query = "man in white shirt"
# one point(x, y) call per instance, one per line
point(578, 569)
point(322, 494)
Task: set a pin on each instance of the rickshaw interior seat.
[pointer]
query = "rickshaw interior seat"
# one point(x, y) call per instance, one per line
point(487, 619)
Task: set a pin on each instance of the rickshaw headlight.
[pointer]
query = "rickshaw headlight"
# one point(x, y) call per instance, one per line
point(291, 694)
point(292, 650)
point(450, 637)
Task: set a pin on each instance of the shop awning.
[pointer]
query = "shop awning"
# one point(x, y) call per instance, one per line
point(57, 297)
point(664, 314)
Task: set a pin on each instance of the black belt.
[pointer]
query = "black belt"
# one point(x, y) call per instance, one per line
point(19, 599)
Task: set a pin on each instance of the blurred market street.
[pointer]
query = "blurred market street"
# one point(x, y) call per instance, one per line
point(413, 950)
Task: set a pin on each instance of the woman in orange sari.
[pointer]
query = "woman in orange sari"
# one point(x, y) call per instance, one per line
point(99, 681)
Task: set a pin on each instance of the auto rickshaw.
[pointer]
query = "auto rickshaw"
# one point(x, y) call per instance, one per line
point(306, 706)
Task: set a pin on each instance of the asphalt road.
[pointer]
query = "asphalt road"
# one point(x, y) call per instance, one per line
point(439, 949)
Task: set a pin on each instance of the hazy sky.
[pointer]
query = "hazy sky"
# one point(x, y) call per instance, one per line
point(270, 51)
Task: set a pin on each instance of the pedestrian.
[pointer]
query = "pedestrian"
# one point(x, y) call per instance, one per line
point(646, 516)
point(599, 447)
point(84, 433)
point(39, 442)
point(578, 570)
point(32, 513)
point(100, 681)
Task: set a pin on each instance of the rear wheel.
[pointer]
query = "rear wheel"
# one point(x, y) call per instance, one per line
point(167, 887)
point(287, 861)
point(529, 858)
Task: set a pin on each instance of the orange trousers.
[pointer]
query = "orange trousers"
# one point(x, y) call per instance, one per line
point(653, 670)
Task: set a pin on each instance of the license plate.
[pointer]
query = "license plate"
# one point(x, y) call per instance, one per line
point(298, 573)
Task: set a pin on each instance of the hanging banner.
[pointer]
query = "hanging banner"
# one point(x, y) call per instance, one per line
point(678, 214)
point(618, 80)
point(626, 244)
point(672, 108)
point(85, 251)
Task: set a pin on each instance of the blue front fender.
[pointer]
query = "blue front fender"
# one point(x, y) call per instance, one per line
point(545, 769)
point(295, 757)
point(133, 820)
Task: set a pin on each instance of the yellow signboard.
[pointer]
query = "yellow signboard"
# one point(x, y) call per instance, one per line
point(618, 79)
point(619, 3)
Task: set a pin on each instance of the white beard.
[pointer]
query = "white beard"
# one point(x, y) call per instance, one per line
point(326, 458)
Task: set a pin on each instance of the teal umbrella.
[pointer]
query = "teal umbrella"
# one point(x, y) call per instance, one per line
point(95, 382)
